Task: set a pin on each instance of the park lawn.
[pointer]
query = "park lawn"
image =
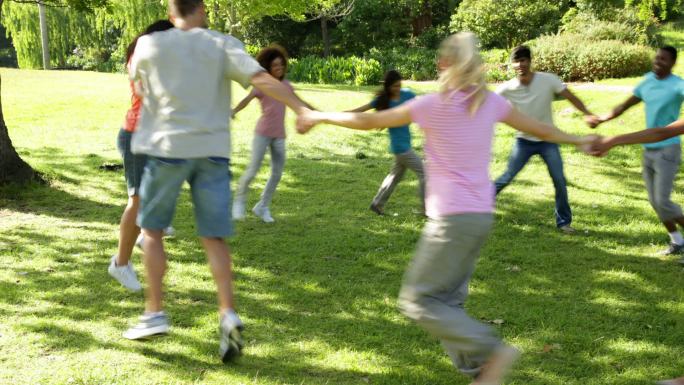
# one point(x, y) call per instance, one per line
point(317, 289)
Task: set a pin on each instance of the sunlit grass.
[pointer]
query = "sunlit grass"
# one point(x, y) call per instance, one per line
point(317, 289)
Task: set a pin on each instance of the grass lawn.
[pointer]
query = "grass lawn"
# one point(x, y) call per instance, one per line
point(318, 288)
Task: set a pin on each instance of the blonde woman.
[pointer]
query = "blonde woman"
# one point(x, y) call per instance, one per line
point(459, 125)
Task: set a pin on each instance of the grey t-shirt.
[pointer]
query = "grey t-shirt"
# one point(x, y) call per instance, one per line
point(185, 77)
point(534, 99)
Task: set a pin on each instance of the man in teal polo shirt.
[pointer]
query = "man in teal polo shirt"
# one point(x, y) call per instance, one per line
point(663, 94)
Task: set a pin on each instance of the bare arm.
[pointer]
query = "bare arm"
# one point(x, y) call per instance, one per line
point(394, 117)
point(275, 89)
point(589, 118)
point(648, 135)
point(243, 103)
point(575, 101)
point(620, 109)
point(545, 132)
point(363, 108)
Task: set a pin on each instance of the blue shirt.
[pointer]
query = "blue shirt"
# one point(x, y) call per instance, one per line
point(663, 99)
point(400, 137)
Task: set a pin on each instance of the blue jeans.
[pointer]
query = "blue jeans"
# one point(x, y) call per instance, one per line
point(523, 150)
point(209, 180)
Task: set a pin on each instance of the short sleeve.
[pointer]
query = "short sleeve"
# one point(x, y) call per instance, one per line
point(420, 108)
point(408, 94)
point(639, 89)
point(255, 92)
point(557, 84)
point(681, 88)
point(240, 66)
point(501, 106)
point(374, 103)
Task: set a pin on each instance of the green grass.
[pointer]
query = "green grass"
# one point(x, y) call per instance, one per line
point(317, 289)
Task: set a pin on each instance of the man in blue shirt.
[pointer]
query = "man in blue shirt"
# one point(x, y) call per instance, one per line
point(663, 94)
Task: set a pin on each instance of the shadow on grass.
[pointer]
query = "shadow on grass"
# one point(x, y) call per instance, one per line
point(60, 168)
point(323, 280)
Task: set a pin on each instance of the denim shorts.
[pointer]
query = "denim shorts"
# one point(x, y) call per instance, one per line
point(133, 164)
point(209, 180)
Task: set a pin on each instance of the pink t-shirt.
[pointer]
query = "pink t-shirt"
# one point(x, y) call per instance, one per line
point(272, 121)
point(458, 150)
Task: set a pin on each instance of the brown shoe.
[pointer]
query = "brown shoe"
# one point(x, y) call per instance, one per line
point(498, 366)
point(674, 381)
point(567, 229)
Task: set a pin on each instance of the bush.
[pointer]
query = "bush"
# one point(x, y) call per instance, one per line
point(624, 26)
point(335, 70)
point(412, 63)
point(505, 23)
point(591, 60)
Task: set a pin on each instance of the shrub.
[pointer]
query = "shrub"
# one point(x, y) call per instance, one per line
point(412, 63)
point(505, 23)
point(624, 27)
point(591, 60)
point(335, 70)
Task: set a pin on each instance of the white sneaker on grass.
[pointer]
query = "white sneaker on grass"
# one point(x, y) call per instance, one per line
point(124, 274)
point(168, 232)
point(263, 212)
point(148, 325)
point(230, 343)
point(238, 210)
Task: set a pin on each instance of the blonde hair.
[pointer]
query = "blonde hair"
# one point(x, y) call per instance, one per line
point(465, 71)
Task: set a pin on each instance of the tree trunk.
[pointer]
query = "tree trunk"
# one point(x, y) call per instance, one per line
point(44, 36)
point(422, 21)
point(325, 35)
point(12, 168)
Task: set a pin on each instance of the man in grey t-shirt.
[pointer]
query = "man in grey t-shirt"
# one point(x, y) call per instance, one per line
point(185, 74)
point(532, 94)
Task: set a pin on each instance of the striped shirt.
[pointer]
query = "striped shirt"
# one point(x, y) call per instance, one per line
point(458, 151)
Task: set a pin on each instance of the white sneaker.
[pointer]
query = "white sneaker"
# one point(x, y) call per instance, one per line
point(230, 342)
point(168, 232)
point(238, 210)
point(125, 275)
point(148, 325)
point(263, 212)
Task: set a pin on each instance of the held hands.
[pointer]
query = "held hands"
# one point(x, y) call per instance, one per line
point(307, 119)
point(595, 145)
point(601, 147)
point(592, 120)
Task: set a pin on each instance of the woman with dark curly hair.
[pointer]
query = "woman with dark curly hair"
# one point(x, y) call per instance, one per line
point(269, 134)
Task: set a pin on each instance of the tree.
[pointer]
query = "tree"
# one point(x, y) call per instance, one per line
point(325, 11)
point(12, 168)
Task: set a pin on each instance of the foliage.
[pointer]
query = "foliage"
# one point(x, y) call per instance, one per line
point(591, 60)
point(412, 63)
point(624, 27)
point(335, 70)
point(660, 9)
point(506, 23)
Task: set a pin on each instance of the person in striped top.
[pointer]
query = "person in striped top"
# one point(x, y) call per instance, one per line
point(458, 122)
